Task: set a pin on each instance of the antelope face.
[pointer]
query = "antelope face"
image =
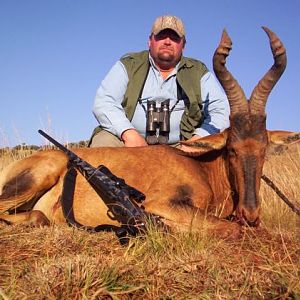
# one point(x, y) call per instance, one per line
point(246, 145)
point(247, 137)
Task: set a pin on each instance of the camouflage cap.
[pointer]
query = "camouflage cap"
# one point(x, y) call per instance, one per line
point(168, 22)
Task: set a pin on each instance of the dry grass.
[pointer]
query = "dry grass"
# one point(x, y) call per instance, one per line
point(65, 263)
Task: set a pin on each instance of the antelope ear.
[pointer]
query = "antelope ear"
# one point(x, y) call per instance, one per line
point(283, 137)
point(205, 144)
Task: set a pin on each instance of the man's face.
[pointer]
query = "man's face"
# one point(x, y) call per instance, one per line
point(166, 48)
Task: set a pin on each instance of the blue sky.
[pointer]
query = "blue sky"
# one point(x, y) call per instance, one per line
point(55, 53)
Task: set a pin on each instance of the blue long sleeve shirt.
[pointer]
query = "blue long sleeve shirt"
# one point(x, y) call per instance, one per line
point(111, 116)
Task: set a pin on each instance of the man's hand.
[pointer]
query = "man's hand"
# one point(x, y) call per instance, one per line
point(132, 138)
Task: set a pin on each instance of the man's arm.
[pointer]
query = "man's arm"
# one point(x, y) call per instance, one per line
point(215, 107)
point(108, 108)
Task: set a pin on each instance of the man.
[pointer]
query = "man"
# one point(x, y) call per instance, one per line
point(160, 79)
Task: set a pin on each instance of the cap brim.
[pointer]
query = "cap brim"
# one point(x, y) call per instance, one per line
point(156, 32)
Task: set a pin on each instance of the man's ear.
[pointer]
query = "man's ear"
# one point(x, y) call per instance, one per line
point(205, 144)
point(283, 137)
point(184, 43)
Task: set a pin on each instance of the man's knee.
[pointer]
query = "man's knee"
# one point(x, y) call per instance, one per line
point(105, 139)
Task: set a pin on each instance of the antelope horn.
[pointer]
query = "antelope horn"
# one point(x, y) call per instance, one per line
point(261, 92)
point(236, 97)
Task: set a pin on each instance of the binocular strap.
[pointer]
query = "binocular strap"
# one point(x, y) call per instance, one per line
point(145, 110)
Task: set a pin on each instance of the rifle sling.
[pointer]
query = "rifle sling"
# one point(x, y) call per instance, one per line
point(67, 198)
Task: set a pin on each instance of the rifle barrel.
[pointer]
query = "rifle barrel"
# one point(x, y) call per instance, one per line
point(52, 140)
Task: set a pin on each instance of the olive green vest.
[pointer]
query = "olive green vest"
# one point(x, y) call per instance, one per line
point(188, 76)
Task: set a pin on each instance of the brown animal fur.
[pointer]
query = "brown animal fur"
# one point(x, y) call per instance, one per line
point(217, 174)
point(178, 188)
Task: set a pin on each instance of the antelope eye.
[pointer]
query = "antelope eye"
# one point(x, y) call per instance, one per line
point(231, 152)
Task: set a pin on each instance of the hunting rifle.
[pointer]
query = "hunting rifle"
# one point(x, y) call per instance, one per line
point(120, 198)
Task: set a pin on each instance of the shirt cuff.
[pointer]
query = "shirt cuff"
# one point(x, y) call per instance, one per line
point(202, 132)
point(120, 128)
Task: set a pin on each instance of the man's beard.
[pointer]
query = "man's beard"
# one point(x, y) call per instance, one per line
point(166, 56)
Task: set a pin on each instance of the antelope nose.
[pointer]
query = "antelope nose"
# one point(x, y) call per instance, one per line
point(250, 217)
point(254, 223)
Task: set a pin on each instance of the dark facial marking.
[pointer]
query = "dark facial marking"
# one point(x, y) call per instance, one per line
point(249, 169)
point(183, 196)
point(17, 185)
point(248, 126)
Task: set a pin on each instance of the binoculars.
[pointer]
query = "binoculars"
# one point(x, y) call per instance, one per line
point(158, 122)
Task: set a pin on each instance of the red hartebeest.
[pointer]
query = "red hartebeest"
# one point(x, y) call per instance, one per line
point(218, 173)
